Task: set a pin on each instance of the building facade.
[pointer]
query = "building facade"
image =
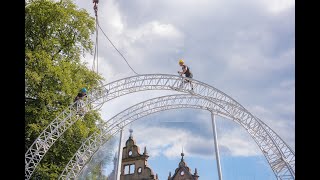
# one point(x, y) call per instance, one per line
point(134, 165)
point(183, 172)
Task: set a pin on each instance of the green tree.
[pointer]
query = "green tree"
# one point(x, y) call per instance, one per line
point(57, 34)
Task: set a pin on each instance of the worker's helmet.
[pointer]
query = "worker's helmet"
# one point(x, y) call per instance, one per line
point(83, 90)
point(181, 61)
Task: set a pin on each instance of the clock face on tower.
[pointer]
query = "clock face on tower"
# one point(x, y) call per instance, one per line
point(130, 153)
point(182, 173)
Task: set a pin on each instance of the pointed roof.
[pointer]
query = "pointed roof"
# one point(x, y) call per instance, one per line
point(183, 168)
point(130, 141)
point(131, 153)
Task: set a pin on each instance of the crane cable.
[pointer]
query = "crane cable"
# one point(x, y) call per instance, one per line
point(95, 7)
point(118, 50)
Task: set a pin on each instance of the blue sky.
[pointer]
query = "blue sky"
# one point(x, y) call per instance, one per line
point(244, 48)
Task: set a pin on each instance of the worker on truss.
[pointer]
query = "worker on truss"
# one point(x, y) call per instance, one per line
point(186, 71)
point(80, 107)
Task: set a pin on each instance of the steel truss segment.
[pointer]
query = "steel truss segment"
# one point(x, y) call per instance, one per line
point(254, 127)
point(143, 112)
point(287, 154)
point(45, 140)
point(112, 90)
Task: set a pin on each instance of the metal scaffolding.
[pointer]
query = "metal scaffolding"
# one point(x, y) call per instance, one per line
point(279, 155)
point(111, 128)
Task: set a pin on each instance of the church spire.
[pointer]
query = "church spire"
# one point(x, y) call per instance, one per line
point(145, 151)
point(182, 154)
point(183, 171)
point(130, 130)
point(182, 163)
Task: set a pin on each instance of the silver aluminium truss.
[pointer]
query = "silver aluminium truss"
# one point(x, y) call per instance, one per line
point(263, 139)
point(145, 82)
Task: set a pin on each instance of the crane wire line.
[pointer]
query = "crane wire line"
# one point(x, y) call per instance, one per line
point(97, 42)
point(94, 56)
point(117, 49)
point(95, 50)
point(95, 8)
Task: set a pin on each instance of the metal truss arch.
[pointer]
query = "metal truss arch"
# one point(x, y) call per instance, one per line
point(118, 88)
point(265, 142)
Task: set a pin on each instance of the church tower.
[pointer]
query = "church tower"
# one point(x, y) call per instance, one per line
point(183, 172)
point(134, 165)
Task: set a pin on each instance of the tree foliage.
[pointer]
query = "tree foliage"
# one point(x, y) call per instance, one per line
point(57, 34)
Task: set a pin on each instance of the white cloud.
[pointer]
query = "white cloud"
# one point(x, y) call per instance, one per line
point(276, 6)
point(285, 90)
point(287, 84)
point(283, 126)
point(250, 60)
point(244, 48)
point(110, 18)
point(156, 29)
point(115, 106)
point(239, 143)
point(145, 44)
point(166, 141)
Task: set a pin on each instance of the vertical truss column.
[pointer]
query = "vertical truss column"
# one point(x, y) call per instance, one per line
point(118, 169)
point(216, 145)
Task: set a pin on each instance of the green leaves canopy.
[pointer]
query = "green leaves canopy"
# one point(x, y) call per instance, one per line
point(57, 34)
